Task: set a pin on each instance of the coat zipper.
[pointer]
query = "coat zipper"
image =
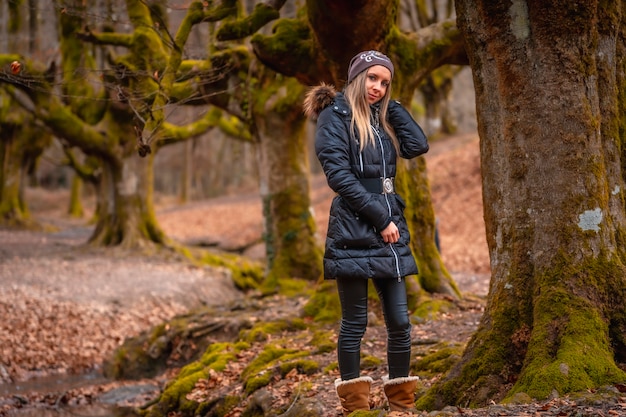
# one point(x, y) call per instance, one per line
point(382, 154)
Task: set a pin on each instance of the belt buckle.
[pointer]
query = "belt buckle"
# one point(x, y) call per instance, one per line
point(388, 186)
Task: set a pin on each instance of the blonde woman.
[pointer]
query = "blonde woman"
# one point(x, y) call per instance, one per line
point(359, 134)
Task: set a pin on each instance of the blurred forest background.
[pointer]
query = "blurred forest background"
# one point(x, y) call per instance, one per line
point(211, 164)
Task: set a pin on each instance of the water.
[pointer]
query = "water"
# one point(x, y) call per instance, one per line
point(52, 383)
point(95, 410)
point(108, 404)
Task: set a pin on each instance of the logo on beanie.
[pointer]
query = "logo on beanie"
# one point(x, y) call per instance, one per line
point(366, 59)
point(370, 56)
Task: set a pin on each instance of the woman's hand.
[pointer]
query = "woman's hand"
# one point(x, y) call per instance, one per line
point(390, 234)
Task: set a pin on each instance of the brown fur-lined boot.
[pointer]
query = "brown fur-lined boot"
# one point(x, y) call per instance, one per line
point(354, 394)
point(400, 392)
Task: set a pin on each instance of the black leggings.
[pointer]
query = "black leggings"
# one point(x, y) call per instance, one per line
point(353, 297)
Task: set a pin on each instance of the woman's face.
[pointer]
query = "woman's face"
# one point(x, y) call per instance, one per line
point(376, 83)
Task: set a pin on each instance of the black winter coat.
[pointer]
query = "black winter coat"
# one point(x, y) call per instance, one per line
point(354, 245)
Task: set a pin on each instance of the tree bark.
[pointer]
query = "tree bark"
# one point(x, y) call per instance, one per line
point(291, 247)
point(127, 216)
point(413, 183)
point(12, 209)
point(553, 187)
point(21, 144)
point(75, 208)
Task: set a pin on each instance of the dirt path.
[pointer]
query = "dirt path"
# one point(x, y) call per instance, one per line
point(63, 306)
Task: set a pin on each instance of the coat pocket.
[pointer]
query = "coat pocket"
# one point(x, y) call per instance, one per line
point(354, 232)
point(351, 231)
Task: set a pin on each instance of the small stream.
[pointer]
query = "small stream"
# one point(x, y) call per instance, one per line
point(95, 410)
point(106, 405)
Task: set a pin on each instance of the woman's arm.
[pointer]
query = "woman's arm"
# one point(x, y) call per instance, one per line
point(412, 139)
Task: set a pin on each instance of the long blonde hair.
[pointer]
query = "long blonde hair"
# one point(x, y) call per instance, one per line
point(355, 94)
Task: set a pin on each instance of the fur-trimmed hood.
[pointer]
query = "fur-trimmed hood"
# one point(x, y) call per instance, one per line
point(317, 99)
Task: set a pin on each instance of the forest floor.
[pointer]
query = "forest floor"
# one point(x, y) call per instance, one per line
point(65, 306)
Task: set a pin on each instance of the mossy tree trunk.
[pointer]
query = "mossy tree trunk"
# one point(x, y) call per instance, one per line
point(101, 126)
point(125, 208)
point(270, 106)
point(549, 77)
point(75, 208)
point(413, 183)
point(22, 142)
point(13, 210)
point(127, 218)
point(292, 249)
point(436, 90)
point(436, 86)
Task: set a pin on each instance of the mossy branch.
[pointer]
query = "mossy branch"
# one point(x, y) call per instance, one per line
point(230, 125)
point(262, 14)
point(106, 38)
point(47, 108)
point(425, 50)
point(289, 50)
point(221, 11)
point(167, 85)
point(87, 172)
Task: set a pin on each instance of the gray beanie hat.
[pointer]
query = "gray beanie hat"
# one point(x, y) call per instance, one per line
point(364, 60)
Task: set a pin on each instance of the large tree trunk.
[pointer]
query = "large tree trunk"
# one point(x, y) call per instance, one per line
point(436, 89)
point(22, 143)
point(292, 249)
point(125, 211)
point(413, 184)
point(548, 117)
point(13, 210)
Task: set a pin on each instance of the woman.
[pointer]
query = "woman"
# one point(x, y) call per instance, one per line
point(359, 133)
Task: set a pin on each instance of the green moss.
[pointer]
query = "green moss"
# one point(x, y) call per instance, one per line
point(282, 96)
point(429, 309)
point(241, 28)
point(291, 38)
point(322, 340)
point(294, 287)
point(331, 367)
point(518, 398)
point(216, 357)
point(569, 349)
point(491, 357)
point(404, 46)
point(246, 275)
point(324, 306)
point(260, 371)
point(303, 366)
point(226, 406)
point(292, 245)
point(257, 381)
point(139, 356)
point(565, 348)
point(261, 331)
point(370, 362)
point(440, 360)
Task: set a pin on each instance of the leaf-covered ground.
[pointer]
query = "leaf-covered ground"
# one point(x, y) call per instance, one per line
point(65, 307)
